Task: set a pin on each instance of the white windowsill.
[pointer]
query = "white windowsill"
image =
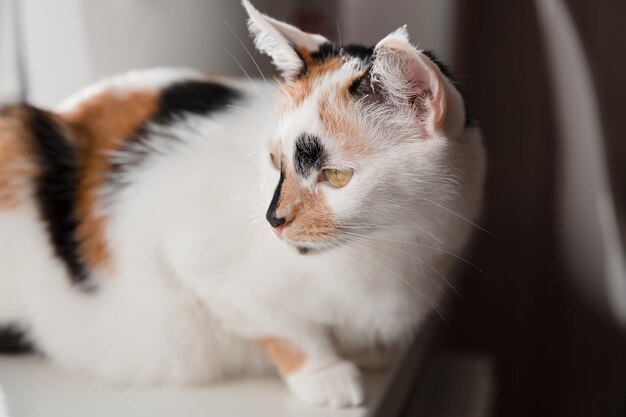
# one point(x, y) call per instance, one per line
point(35, 389)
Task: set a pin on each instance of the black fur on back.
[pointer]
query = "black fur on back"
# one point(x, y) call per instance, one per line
point(56, 188)
point(195, 97)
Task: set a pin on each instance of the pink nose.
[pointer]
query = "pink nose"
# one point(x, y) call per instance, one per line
point(278, 231)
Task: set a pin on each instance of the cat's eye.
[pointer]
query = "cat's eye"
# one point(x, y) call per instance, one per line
point(337, 177)
point(275, 160)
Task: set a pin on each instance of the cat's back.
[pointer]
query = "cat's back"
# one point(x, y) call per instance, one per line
point(85, 189)
point(62, 170)
point(93, 125)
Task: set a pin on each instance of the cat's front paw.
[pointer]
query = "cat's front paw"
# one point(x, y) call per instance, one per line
point(338, 385)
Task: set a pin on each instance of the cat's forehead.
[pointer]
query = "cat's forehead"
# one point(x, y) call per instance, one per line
point(321, 93)
point(326, 69)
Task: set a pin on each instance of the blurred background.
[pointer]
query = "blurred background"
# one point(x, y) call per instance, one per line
point(545, 81)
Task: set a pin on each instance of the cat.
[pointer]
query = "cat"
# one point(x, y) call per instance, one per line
point(173, 226)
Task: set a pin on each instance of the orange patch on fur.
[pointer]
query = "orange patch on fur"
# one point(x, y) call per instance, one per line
point(99, 126)
point(287, 357)
point(316, 220)
point(307, 213)
point(16, 167)
point(299, 89)
point(337, 116)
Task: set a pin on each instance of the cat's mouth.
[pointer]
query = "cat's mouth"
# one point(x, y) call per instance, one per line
point(303, 250)
point(307, 248)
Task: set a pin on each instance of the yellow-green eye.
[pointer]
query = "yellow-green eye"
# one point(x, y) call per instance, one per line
point(275, 160)
point(337, 177)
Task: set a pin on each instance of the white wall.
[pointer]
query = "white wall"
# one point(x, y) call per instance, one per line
point(69, 44)
point(430, 22)
point(72, 43)
point(9, 79)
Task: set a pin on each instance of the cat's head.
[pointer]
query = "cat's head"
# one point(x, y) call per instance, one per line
point(362, 134)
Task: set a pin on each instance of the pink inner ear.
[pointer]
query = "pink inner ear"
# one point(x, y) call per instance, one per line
point(411, 75)
point(420, 77)
point(439, 103)
point(428, 85)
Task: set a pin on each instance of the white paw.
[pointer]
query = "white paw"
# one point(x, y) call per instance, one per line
point(338, 385)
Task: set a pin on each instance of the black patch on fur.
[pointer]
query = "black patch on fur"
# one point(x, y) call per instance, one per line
point(329, 50)
point(364, 53)
point(194, 97)
point(469, 121)
point(310, 155)
point(361, 85)
point(56, 191)
point(180, 99)
point(356, 84)
point(13, 340)
point(271, 210)
point(326, 51)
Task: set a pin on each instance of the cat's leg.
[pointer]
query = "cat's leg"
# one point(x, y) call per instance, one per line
point(364, 349)
point(375, 359)
point(310, 365)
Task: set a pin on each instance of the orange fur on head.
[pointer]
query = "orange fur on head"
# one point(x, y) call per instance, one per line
point(307, 213)
point(336, 114)
point(300, 88)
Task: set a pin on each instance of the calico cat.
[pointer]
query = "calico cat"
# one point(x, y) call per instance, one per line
point(174, 226)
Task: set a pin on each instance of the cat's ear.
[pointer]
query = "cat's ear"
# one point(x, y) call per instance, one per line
point(284, 43)
point(407, 76)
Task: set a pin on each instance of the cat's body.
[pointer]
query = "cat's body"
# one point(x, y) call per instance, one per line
point(161, 268)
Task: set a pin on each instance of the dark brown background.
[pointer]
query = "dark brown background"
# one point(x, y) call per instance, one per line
point(554, 356)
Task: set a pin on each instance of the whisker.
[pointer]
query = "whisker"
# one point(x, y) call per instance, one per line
point(245, 110)
point(338, 34)
point(458, 215)
point(436, 249)
point(399, 252)
point(397, 262)
point(251, 57)
point(365, 225)
point(401, 279)
point(247, 76)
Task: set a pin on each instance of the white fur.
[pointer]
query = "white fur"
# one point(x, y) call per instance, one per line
point(155, 79)
point(197, 275)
